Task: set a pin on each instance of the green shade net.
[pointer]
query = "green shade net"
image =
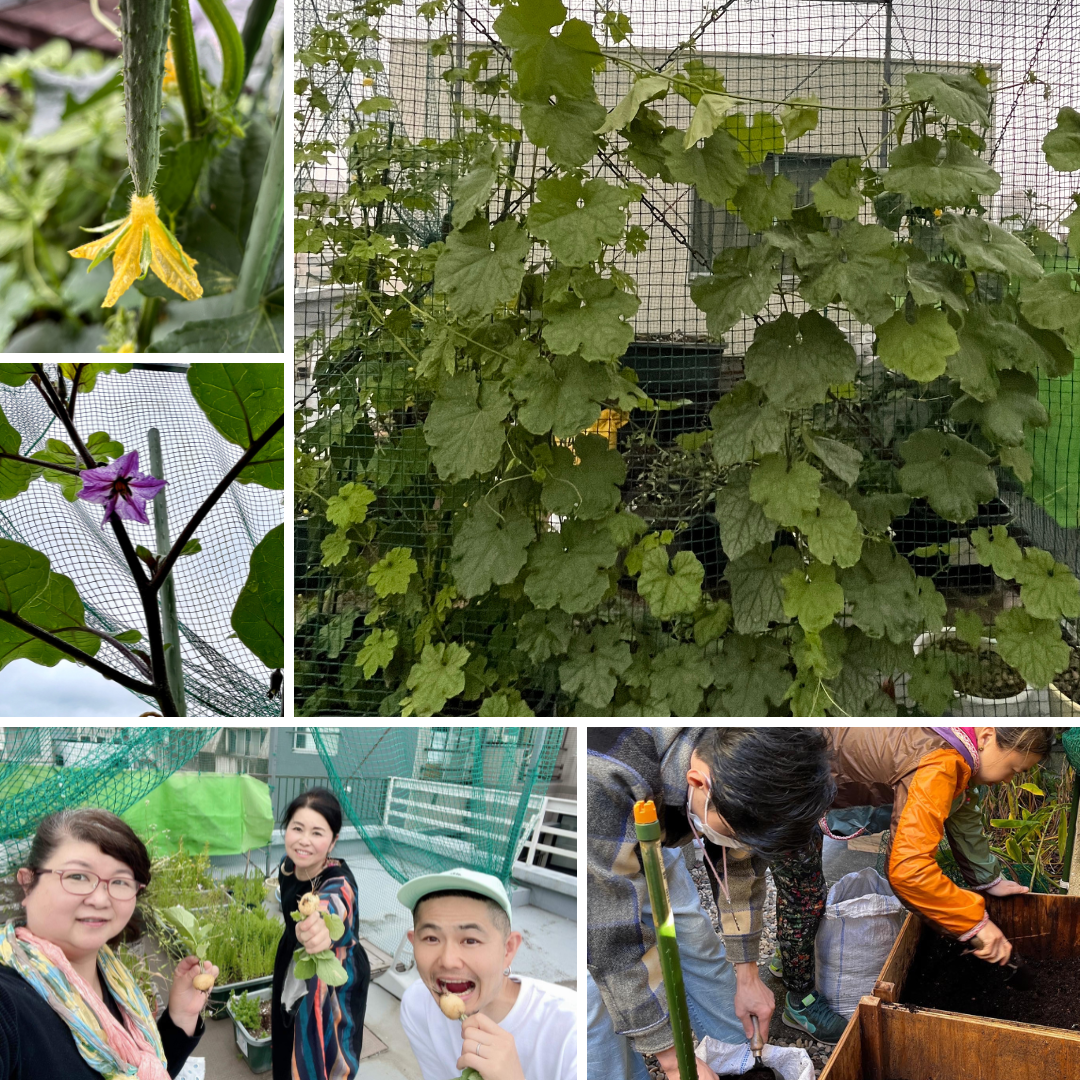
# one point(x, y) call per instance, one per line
point(45, 769)
point(224, 813)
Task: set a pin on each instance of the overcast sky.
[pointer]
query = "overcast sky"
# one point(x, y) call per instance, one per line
point(66, 690)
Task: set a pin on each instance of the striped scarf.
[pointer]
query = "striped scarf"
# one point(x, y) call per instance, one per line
point(132, 1049)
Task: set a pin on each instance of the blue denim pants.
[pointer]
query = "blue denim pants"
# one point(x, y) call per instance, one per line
point(709, 980)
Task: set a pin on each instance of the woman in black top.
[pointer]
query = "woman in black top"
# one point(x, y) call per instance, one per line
point(317, 1029)
point(68, 1007)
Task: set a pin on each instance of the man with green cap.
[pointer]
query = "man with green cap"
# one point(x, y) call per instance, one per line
point(466, 1010)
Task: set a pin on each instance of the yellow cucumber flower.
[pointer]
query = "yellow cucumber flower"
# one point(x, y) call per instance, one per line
point(168, 81)
point(138, 243)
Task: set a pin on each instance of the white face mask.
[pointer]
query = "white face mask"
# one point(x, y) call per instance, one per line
point(703, 828)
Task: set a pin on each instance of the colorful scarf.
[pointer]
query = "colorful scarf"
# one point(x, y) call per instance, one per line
point(964, 741)
point(131, 1049)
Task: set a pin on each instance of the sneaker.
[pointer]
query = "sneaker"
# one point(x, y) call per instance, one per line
point(812, 1015)
point(776, 964)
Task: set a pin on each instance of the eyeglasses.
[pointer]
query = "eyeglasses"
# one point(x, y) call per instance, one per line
point(83, 883)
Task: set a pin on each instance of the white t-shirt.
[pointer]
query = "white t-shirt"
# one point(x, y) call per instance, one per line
point(542, 1020)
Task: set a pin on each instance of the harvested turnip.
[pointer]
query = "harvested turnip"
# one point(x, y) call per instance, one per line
point(308, 904)
point(204, 981)
point(452, 1006)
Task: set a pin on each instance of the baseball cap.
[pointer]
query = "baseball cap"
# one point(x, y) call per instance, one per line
point(459, 879)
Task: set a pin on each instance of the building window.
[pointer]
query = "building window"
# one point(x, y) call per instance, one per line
point(304, 741)
point(715, 229)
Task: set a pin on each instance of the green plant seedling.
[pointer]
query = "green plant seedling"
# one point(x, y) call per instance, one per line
point(195, 936)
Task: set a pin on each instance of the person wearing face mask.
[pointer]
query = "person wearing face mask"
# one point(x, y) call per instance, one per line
point(930, 776)
point(748, 795)
point(513, 1027)
point(68, 1007)
point(317, 1030)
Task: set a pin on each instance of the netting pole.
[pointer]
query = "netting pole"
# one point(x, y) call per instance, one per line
point(170, 628)
point(886, 90)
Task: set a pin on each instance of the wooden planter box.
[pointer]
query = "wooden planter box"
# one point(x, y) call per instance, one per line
point(888, 1041)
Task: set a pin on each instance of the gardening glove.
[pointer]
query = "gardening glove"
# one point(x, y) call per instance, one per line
point(185, 1002)
point(489, 1049)
point(669, 1062)
point(313, 934)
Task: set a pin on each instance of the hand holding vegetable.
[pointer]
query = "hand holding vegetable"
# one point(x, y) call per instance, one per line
point(188, 994)
point(197, 938)
point(488, 1050)
point(315, 957)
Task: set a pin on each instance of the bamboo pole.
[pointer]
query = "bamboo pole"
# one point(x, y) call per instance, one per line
point(652, 860)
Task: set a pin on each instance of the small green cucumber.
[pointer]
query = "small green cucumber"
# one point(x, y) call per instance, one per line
point(144, 26)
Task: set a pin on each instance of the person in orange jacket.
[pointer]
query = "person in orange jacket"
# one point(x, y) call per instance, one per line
point(929, 776)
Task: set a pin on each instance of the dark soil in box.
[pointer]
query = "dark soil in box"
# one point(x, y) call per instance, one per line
point(1068, 682)
point(944, 976)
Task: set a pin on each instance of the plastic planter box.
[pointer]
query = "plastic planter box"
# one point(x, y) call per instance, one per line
point(256, 1051)
point(219, 996)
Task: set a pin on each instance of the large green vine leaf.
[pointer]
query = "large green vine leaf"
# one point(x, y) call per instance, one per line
point(812, 596)
point(745, 426)
point(643, 90)
point(594, 663)
point(490, 548)
point(986, 246)
point(670, 592)
point(1005, 418)
point(587, 488)
point(678, 677)
point(837, 193)
point(435, 678)
point(785, 492)
point(919, 346)
point(761, 202)
point(883, 595)
point(757, 589)
point(795, 361)
point(1048, 589)
point(832, 530)
point(743, 524)
point(24, 573)
point(1032, 646)
point(764, 135)
point(962, 97)
point(58, 609)
point(1053, 303)
point(951, 474)
point(481, 268)
point(715, 168)
point(466, 435)
point(471, 193)
point(589, 314)
point(741, 283)
point(258, 616)
point(563, 396)
point(564, 128)
point(568, 569)
point(578, 218)
point(997, 549)
point(1062, 143)
point(751, 676)
point(933, 174)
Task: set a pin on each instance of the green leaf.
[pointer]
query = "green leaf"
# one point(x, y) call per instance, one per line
point(103, 447)
point(840, 459)
point(917, 349)
point(490, 549)
point(832, 530)
point(258, 616)
point(752, 676)
point(435, 678)
point(1048, 589)
point(988, 346)
point(934, 175)
point(242, 401)
point(1053, 303)
point(1032, 646)
point(568, 568)
point(589, 314)
point(969, 628)
point(1062, 143)
point(392, 572)
point(800, 115)
point(565, 128)
point(334, 548)
point(764, 135)
point(708, 115)
point(578, 219)
point(932, 605)
point(1003, 419)
point(15, 374)
point(24, 573)
point(785, 494)
point(643, 90)
point(349, 505)
point(56, 608)
point(883, 595)
point(544, 634)
point(876, 512)
point(743, 524)
point(181, 166)
point(563, 396)
point(741, 283)
point(713, 624)
point(951, 474)
point(812, 596)
point(471, 193)
point(745, 426)
point(1072, 223)
point(593, 665)
point(757, 591)
point(998, 550)
point(760, 202)
point(670, 592)
point(937, 283)
point(376, 651)
point(678, 677)
point(546, 64)
point(259, 330)
point(334, 635)
point(90, 372)
point(795, 361)
point(988, 247)
point(838, 193)
point(1019, 460)
point(465, 437)
point(480, 267)
point(930, 684)
point(504, 703)
point(129, 637)
point(715, 168)
point(15, 476)
point(589, 488)
point(962, 97)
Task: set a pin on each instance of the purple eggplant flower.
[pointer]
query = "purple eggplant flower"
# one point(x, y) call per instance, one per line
point(121, 487)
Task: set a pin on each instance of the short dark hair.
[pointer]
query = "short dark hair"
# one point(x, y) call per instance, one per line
point(495, 911)
point(113, 835)
point(322, 801)
point(770, 784)
point(1028, 740)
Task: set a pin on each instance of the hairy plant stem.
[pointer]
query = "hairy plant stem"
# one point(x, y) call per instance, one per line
point(186, 62)
point(255, 24)
point(148, 313)
point(265, 232)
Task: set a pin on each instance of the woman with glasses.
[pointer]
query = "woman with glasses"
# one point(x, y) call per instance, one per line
point(68, 1007)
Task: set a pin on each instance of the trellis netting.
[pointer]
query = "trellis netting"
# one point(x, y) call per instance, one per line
point(221, 676)
point(853, 56)
point(44, 769)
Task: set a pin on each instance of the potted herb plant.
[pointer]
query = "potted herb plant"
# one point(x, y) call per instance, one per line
point(250, 1012)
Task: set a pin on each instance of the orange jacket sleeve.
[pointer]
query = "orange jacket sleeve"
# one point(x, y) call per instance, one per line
point(913, 871)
